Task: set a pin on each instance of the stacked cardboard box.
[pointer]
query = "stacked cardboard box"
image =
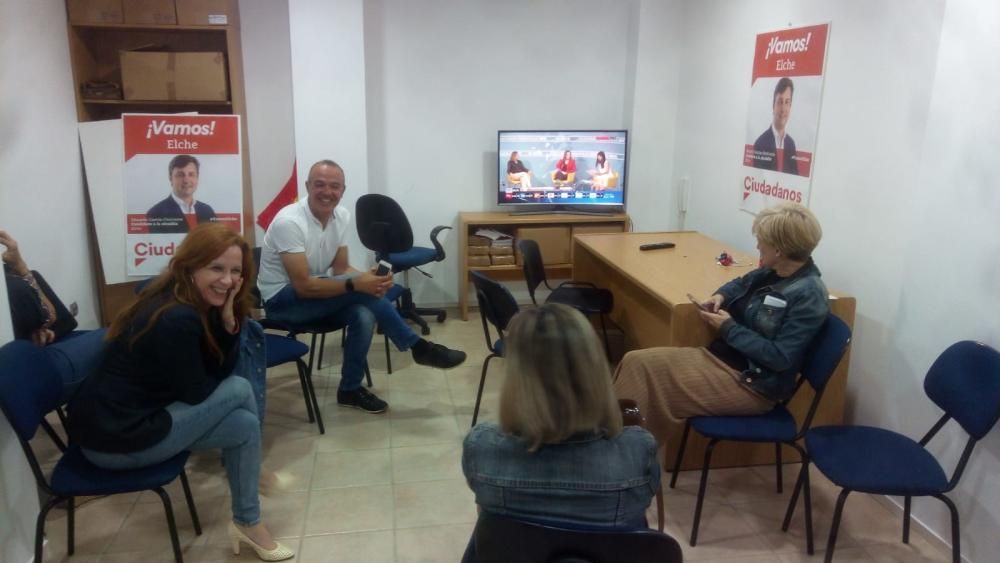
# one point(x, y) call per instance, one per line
point(502, 252)
point(479, 251)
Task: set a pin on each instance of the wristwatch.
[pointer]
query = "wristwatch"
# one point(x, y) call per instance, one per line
point(349, 284)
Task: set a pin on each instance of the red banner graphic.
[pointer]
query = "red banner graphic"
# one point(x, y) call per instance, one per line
point(180, 134)
point(790, 52)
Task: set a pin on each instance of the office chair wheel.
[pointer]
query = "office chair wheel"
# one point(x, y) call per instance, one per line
point(441, 317)
point(425, 330)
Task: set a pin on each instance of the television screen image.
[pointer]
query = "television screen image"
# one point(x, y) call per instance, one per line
point(566, 168)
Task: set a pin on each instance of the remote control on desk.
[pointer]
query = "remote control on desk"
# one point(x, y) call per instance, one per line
point(656, 245)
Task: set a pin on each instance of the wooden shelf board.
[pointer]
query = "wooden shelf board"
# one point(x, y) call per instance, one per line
point(518, 267)
point(157, 102)
point(149, 27)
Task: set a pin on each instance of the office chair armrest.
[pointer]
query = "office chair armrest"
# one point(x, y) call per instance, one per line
point(439, 250)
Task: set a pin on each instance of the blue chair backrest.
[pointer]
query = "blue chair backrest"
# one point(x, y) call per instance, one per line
point(825, 352)
point(534, 265)
point(496, 301)
point(965, 382)
point(30, 387)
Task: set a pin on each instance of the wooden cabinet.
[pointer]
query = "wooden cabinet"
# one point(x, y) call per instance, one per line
point(95, 57)
point(469, 223)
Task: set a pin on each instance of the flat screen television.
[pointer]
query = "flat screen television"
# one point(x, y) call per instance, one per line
point(572, 170)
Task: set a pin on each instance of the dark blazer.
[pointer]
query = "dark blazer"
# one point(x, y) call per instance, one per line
point(765, 144)
point(167, 217)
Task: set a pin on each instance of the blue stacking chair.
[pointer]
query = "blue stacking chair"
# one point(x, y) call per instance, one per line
point(497, 307)
point(500, 539)
point(964, 382)
point(777, 426)
point(29, 389)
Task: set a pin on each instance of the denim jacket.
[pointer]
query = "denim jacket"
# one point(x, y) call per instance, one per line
point(590, 480)
point(775, 338)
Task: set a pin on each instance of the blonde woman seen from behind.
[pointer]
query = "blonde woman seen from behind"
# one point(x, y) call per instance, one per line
point(560, 454)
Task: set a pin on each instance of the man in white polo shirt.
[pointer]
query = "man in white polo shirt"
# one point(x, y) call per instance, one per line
point(305, 242)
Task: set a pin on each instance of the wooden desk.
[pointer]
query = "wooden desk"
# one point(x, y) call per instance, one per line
point(652, 309)
point(470, 222)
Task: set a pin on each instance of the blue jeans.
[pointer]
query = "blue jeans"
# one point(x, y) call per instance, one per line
point(226, 420)
point(357, 311)
point(75, 357)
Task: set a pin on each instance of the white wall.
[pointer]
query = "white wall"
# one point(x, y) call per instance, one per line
point(328, 78)
point(444, 75)
point(41, 204)
point(267, 81)
point(904, 188)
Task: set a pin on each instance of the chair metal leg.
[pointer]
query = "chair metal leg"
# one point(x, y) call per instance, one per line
point(659, 507)
point(190, 502)
point(40, 525)
point(62, 416)
point(790, 511)
point(171, 524)
point(956, 535)
point(368, 374)
point(680, 455)
point(311, 396)
point(777, 465)
point(907, 502)
point(701, 491)
point(809, 513)
point(482, 382)
point(388, 357)
point(831, 543)
point(322, 344)
point(607, 347)
point(301, 368)
point(52, 434)
point(70, 524)
point(312, 352)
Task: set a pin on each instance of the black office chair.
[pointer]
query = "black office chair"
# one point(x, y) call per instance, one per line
point(498, 539)
point(384, 229)
point(582, 296)
point(497, 307)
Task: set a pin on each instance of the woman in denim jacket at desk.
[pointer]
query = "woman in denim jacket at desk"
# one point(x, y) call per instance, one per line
point(560, 454)
point(765, 321)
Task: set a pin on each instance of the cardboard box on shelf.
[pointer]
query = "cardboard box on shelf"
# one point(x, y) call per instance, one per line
point(478, 261)
point(476, 240)
point(501, 251)
point(203, 12)
point(479, 251)
point(157, 12)
point(157, 75)
point(95, 11)
point(502, 260)
point(553, 243)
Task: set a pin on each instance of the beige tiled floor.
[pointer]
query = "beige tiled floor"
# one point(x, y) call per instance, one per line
point(389, 488)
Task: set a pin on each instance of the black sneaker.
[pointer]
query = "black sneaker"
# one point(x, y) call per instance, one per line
point(439, 356)
point(363, 399)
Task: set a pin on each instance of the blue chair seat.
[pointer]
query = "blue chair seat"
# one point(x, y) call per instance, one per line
point(74, 475)
point(282, 349)
point(778, 425)
point(875, 460)
point(415, 256)
point(395, 292)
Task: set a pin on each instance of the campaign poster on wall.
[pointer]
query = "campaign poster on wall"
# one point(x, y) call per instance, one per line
point(179, 171)
point(785, 94)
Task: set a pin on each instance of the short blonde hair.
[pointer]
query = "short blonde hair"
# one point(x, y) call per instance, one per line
point(790, 228)
point(558, 382)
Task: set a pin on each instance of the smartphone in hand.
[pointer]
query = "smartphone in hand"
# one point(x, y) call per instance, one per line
point(383, 268)
point(699, 304)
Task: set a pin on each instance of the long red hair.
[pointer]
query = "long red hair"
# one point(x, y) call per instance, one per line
point(204, 243)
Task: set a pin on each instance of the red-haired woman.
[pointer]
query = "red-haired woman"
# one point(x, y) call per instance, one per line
point(165, 386)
